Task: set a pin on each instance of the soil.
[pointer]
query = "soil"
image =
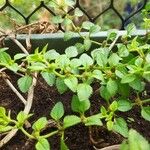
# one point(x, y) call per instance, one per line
point(78, 137)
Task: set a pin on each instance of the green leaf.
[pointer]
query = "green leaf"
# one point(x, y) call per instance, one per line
point(128, 78)
point(86, 60)
point(146, 113)
point(49, 78)
point(87, 44)
point(71, 51)
point(122, 50)
point(94, 29)
point(5, 58)
point(137, 84)
point(84, 91)
point(114, 59)
point(110, 125)
point(19, 56)
point(79, 106)
point(58, 111)
point(137, 142)
point(22, 117)
point(148, 58)
point(61, 86)
point(98, 75)
point(42, 144)
point(80, 47)
point(40, 124)
point(57, 19)
point(114, 106)
point(121, 127)
point(78, 12)
point(37, 66)
point(2, 112)
point(124, 105)
point(112, 87)
point(111, 35)
point(74, 63)
point(5, 128)
point(67, 21)
point(51, 55)
point(131, 28)
point(104, 93)
point(24, 83)
point(62, 61)
point(71, 121)
point(93, 121)
point(87, 25)
point(14, 67)
point(70, 3)
point(68, 35)
point(72, 83)
point(63, 146)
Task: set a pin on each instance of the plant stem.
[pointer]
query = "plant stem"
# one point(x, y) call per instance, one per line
point(26, 133)
point(50, 134)
point(146, 101)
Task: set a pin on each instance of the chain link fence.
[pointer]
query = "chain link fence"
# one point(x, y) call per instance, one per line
point(111, 7)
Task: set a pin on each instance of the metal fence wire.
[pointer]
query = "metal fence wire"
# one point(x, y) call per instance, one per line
point(123, 20)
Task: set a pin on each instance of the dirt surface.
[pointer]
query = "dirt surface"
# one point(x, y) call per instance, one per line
point(78, 137)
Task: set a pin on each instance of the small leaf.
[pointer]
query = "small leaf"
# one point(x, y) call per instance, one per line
point(49, 78)
point(95, 29)
point(120, 126)
point(71, 121)
point(84, 91)
point(128, 78)
point(104, 93)
point(114, 59)
point(72, 83)
point(78, 12)
point(146, 113)
point(5, 128)
point(122, 50)
point(98, 75)
point(42, 144)
point(79, 106)
point(112, 87)
point(51, 55)
point(57, 112)
point(71, 51)
point(110, 125)
point(24, 83)
point(86, 60)
point(2, 112)
point(124, 105)
point(19, 56)
point(87, 44)
point(61, 86)
point(63, 146)
point(70, 3)
point(22, 117)
point(40, 124)
point(57, 19)
point(87, 25)
point(68, 35)
point(93, 120)
point(114, 106)
point(131, 28)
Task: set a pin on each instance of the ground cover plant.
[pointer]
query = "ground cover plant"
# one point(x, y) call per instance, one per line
point(119, 66)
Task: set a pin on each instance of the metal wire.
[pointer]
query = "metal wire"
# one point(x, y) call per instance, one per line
point(111, 6)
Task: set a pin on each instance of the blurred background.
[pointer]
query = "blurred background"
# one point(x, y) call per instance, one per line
point(108, 20)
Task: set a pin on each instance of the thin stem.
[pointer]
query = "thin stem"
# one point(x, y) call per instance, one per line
point(50, 134)
point(27, 134)
point(146, 101)
point(15, 91)
point(114, 42)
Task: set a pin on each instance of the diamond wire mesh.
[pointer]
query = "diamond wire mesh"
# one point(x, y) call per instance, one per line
point(111, 6)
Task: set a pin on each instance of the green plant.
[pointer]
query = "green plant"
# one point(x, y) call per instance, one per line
point(119, 65)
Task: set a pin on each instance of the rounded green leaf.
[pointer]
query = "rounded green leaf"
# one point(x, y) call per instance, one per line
point(49, 78)
point(124, 105)
point(58, 111)
point(24, 83)
point(146, 113)
point(42, 144)
point(71, 51)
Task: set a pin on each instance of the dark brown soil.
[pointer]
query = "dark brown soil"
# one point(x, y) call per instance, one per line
point(78, 137)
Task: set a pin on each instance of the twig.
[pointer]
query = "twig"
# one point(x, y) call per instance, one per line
point(113, 147)
point(19, 44)
point(114, 42)
point(15, 91)
point(27, 108)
